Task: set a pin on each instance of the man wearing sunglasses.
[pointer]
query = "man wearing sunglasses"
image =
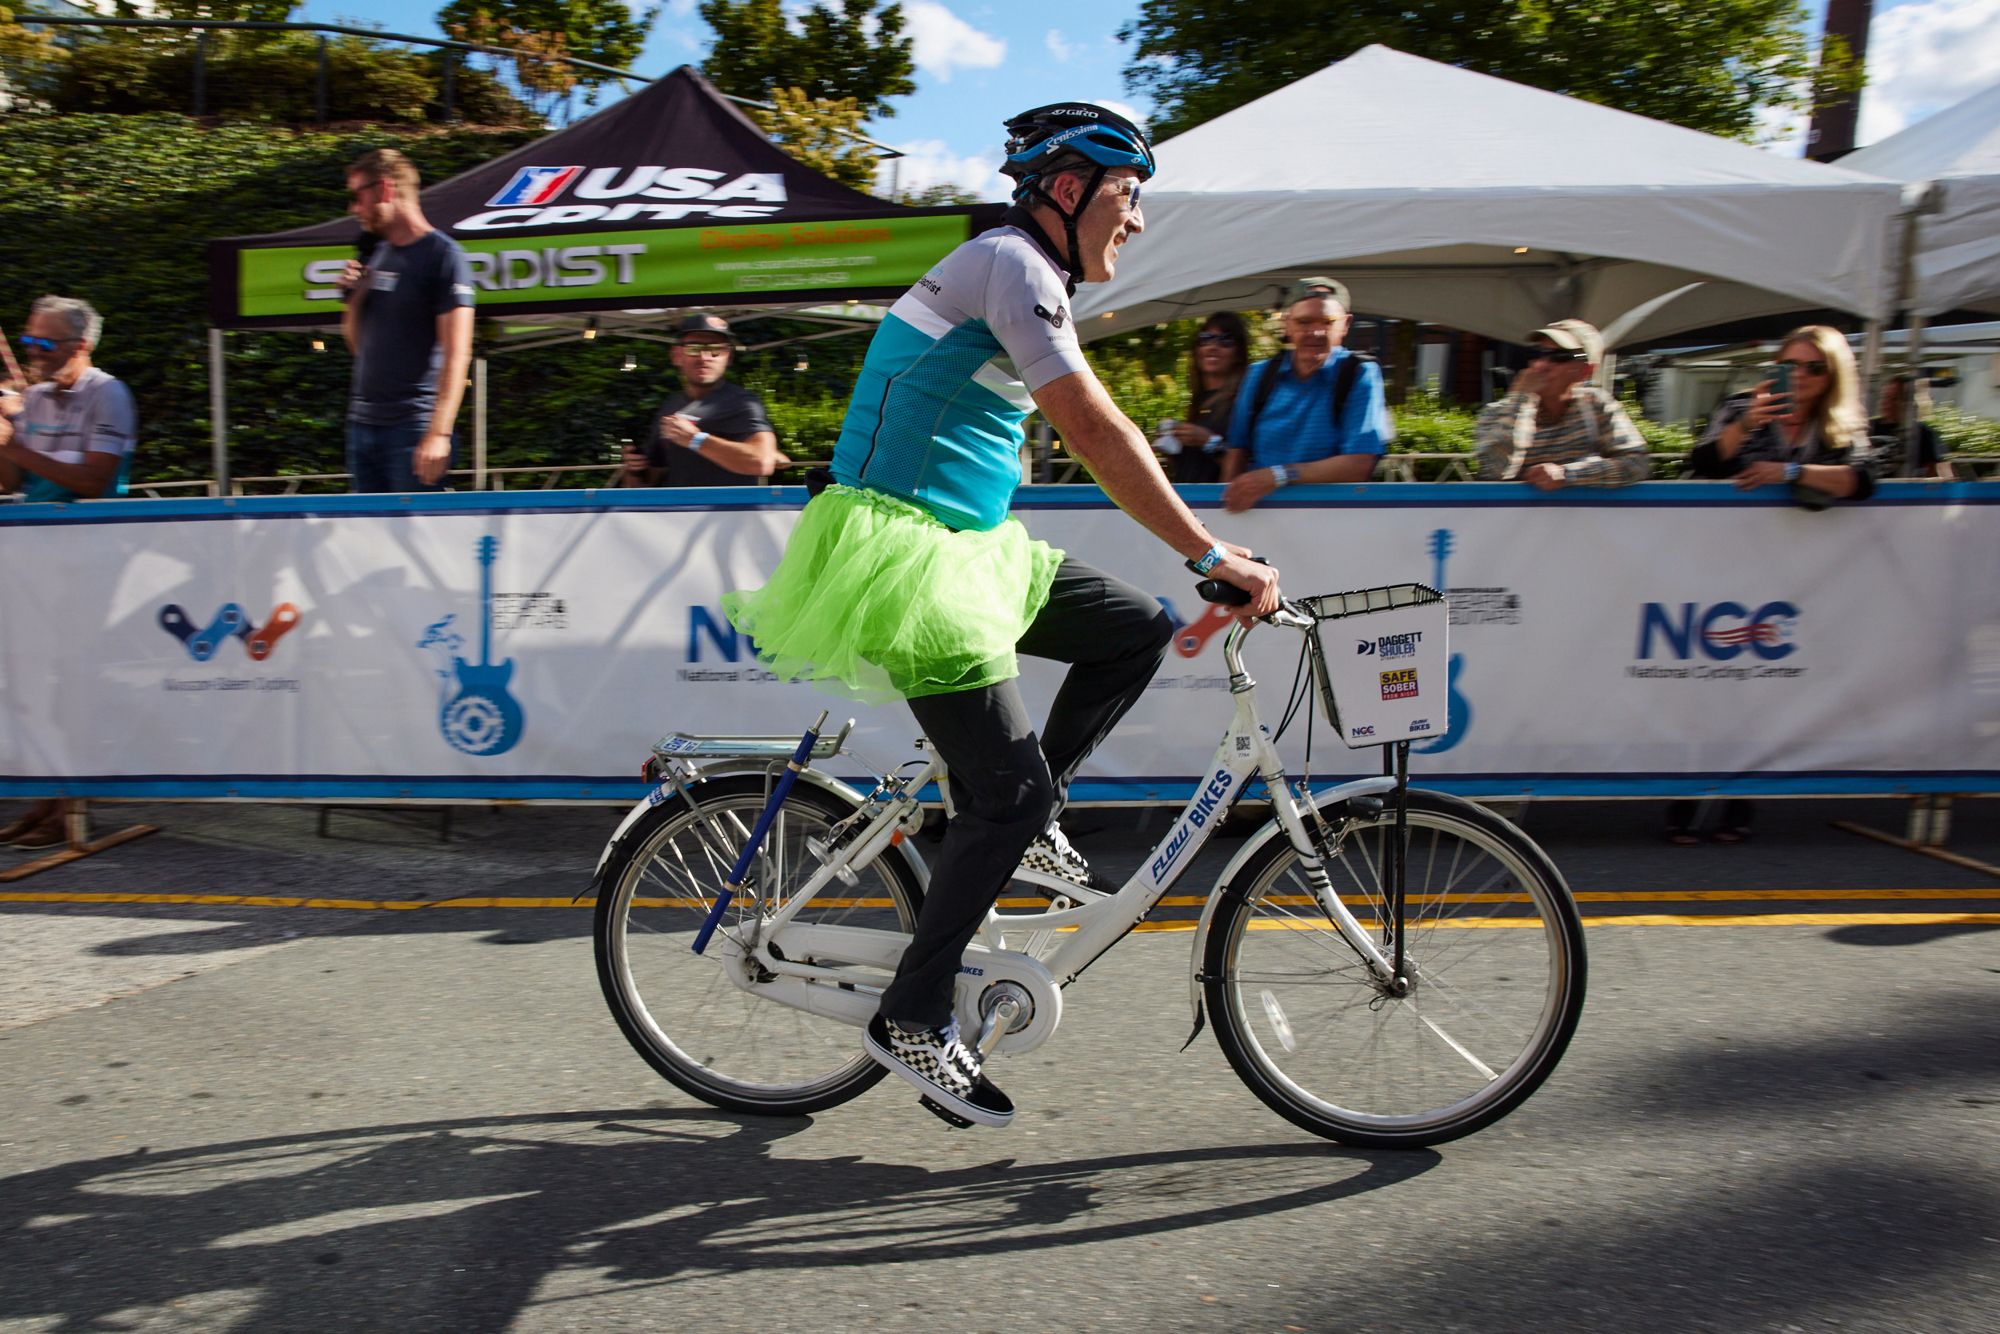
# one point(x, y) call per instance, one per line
point(408, 321)
point(1554, 428)
point(69, 434)
point(714, 432)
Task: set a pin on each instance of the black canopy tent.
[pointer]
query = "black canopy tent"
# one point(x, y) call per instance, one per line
point(673, 198)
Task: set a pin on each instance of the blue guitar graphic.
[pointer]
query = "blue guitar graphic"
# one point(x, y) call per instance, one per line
point(1459, 709)
point(482, 718)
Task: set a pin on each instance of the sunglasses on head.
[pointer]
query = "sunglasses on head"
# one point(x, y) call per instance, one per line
point(1809, 367)
point(1215, 338)
point(1556, 355)
point(43, 344)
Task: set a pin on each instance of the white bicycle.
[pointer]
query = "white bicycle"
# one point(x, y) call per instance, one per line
point(1385, 966)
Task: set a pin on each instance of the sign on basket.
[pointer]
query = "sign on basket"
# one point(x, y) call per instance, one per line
point(1383, 663)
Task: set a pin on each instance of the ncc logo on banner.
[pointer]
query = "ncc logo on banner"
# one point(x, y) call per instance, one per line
point(1720, 631)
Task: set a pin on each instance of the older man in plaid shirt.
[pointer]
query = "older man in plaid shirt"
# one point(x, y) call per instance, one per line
point(1553, 429)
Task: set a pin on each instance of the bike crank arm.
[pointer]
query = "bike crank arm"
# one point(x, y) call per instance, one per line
point(740, 872)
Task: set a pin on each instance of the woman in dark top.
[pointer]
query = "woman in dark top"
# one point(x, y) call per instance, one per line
point(1216, 364)
point(1814, 439)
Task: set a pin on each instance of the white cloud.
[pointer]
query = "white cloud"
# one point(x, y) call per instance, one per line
point(1922, 57)
point(1782, 132)
point(1124, 109)
point(943, 42)
point(1058, 48)
point(929, 162)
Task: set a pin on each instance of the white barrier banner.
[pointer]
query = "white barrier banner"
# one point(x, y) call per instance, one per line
point(1674, 637)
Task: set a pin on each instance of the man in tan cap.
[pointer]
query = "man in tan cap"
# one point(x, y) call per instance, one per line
point(1314, 413)
point(1553, 429)
point(714, 432)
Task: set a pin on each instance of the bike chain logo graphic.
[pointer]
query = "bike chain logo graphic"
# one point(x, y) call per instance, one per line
point(479, 717)
point(230, 622)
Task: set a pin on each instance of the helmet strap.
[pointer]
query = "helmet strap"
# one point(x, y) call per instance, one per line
point(1072, 256)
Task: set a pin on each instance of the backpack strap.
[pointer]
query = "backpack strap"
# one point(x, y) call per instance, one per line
point(1344, 377)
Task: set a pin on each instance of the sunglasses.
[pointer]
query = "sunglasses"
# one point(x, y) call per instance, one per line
point(1557, 355)
point(1809, 367)
point(354, 196)
point(35, 344)
point(705, 349)
point(1213, 339)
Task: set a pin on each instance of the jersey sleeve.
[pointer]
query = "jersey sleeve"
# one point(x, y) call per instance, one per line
point(114, 422)
point(1027, 310)
point(1366, 428)
point(755, 416)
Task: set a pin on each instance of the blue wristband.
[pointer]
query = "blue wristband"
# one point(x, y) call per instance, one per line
point(699, 439)
point(1792, 471)
point(1209, 560)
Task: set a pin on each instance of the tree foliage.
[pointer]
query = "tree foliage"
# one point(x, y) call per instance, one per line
point(606, 32)
point(820, 132)
point(1712, 66)
point(852, 52)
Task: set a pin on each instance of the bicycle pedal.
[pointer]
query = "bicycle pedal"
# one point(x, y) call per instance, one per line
point(944, 1113)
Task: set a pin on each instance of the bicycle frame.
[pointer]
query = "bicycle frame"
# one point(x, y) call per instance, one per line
point(1059, 944)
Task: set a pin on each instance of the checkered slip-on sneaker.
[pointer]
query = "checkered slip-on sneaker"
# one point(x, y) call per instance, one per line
point(1051, 863)
point(945, 1069)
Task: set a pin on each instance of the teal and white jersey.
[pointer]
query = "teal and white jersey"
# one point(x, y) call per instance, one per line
point(937, 409)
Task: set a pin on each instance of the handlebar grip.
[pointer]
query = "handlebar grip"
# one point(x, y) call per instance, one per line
point(1214, 590)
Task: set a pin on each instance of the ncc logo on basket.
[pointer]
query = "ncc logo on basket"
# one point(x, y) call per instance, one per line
point(1399, 684)
point(1390, 646)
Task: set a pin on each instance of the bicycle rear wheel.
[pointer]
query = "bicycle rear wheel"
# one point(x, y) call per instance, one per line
point(1493, 947)
point(691, 1022)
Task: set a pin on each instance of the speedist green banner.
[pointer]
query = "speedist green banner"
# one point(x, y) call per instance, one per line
point(645, 267)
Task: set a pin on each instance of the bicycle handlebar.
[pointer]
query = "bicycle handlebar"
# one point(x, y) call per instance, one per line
point(1229, 595)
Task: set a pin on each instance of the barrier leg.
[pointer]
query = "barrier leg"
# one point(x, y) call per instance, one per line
point(76, 827)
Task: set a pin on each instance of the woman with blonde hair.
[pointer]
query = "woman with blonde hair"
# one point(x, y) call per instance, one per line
point(1216, 362)
point(1813, 436)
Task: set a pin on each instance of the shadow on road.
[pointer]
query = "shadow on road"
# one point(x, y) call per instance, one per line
point(459, 1224)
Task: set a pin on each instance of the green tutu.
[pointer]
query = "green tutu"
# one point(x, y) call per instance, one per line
point(876, 600)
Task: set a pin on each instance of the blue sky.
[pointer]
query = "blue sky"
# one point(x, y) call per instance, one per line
point(978, 62)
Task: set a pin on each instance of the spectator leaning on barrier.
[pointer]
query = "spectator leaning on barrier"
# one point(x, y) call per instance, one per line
point(1553, 429)
point(1216, 362)
point(713, 432)
point(1815, 438)
point(1892, 427)
point(408, 321)
point(66, 435)
point(69, 434)
point(1314, 413)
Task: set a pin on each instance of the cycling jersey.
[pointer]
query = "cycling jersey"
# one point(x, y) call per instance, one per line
point(93, 416)
point(937, 409)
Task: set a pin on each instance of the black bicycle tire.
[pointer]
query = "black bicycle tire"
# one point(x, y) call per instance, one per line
point(865, 1074)
point(1235, 906)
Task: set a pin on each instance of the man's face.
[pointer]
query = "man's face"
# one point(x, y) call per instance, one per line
point(1110, 219)
point(372, 203)
point(702, 359)
point(1315, 326)
point(43, 363)
point(1563, 376)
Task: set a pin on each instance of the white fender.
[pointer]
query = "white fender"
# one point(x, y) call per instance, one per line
point(1333, 796)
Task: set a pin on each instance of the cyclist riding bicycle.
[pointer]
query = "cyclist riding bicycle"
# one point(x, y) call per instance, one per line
point(907, 579)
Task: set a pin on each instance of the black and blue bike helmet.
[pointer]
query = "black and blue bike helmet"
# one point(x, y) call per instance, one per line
point(1063, 136)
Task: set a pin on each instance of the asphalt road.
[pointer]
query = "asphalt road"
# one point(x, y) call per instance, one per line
point(223, 1110)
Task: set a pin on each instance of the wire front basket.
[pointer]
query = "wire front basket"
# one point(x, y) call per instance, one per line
point(1392, 685)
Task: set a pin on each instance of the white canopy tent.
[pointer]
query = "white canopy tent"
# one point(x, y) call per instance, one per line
point(1447, 196)
point(1957, 259)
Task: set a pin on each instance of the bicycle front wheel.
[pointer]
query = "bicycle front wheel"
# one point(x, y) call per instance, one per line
point(692, 1023)
point(1493, 952)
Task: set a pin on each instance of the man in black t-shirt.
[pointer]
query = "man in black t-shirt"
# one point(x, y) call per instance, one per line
point(408, 321)
point(713, 432)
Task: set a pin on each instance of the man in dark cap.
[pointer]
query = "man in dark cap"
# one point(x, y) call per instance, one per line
point(713, 432)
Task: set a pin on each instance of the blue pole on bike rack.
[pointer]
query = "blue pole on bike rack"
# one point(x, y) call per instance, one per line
point(738, 873)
